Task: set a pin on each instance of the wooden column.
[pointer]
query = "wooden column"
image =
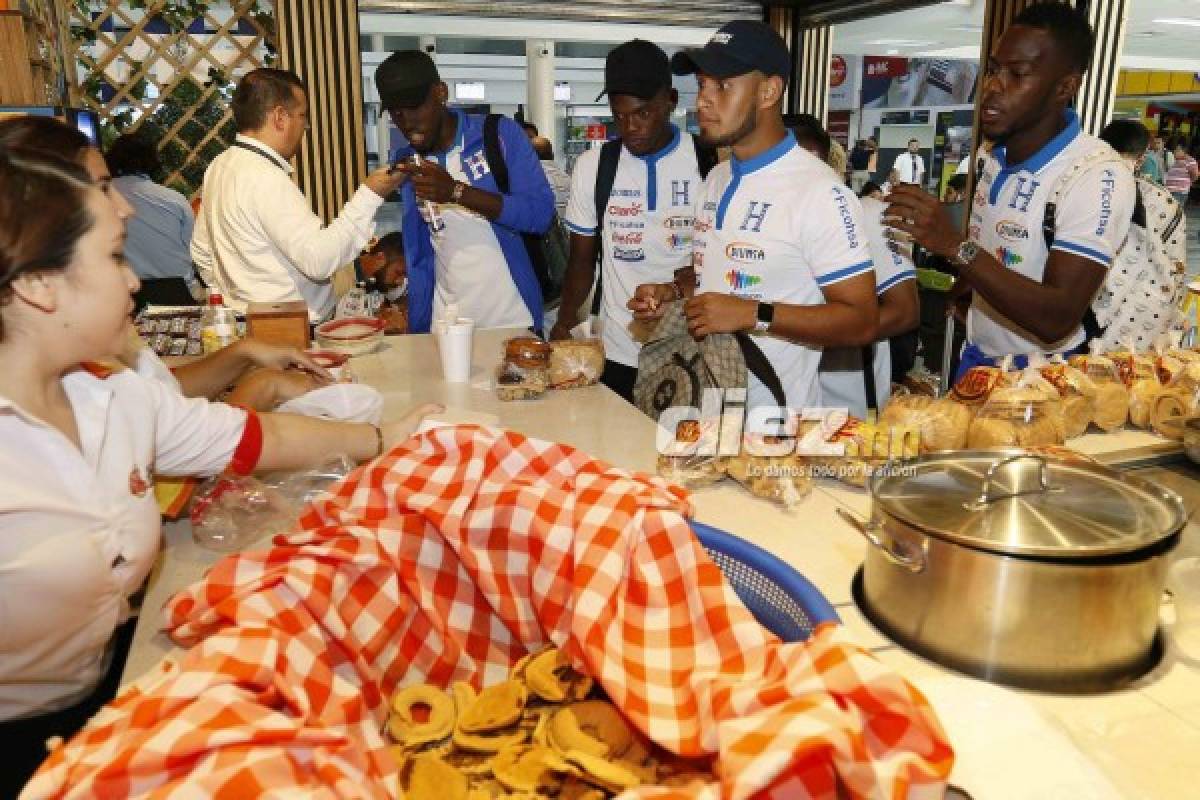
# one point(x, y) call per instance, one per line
point(812, 50)
point(318, 40)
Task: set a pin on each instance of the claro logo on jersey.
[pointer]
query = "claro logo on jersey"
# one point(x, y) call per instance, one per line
point(625, 211)
point(745, 253)
point(848, 226)
point(1108, 185)
point(741, 281)
point(1013, 231)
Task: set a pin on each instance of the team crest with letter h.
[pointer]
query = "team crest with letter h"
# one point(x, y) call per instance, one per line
point(476, 166)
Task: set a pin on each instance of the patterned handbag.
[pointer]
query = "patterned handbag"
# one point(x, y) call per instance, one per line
point(674, 369)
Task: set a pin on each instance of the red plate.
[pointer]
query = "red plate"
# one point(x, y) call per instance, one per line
point(330, 330)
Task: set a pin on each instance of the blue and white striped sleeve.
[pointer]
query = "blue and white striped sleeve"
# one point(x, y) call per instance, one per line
point(580, 216)
point(1094, 214)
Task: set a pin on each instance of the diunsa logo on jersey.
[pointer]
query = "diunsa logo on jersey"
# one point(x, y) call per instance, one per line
point(745, 253)
point(1013, 231)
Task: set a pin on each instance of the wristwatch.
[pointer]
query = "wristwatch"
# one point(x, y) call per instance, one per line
point(766, 315)
point(457, 192)
point(966, 253)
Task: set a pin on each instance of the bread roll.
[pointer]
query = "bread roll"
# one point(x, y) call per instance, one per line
point(1112, 406)
point(941, 424)
point(991, 432)
point(1044, 430)
point(1141, 401)
point(1077, 413)
point(1168, 404)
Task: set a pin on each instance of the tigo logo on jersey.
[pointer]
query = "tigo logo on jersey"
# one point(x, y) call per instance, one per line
point(1013, 231)
point(1007, 257)
point(741, 281)
point(678, 241)
point(744, 253)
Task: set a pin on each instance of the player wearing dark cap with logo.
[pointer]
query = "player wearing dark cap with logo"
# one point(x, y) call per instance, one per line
point(780, 249)
point(632, 201)
point(470, 254)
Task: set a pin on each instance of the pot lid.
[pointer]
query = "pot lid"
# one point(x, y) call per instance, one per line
point(1022, 503)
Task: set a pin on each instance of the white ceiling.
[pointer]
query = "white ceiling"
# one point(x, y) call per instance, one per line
point(953, 30)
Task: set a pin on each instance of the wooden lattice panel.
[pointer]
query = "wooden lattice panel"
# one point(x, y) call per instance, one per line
point(189, 68)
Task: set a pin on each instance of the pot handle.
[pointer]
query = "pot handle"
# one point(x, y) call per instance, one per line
point(914, 563)
point(986, 498)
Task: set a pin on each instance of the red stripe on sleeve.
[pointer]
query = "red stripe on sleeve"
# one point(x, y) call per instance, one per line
point(249, 449)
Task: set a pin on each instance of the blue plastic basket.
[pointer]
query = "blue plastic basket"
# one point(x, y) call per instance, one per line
point(779, 597)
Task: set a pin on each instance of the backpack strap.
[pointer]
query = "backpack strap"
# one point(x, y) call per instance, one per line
point(494, 153)
point(868, 371)
point(1066, 180)
point(760, 367)
point(606, 173)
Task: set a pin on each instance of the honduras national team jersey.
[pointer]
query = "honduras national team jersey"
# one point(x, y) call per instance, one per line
point(842, 384)
point(779, 228)
point(647, 231)
point(1006, 221)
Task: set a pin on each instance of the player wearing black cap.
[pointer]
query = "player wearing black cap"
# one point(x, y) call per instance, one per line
point(465, 210)
point(780, 249)
point(632, 201)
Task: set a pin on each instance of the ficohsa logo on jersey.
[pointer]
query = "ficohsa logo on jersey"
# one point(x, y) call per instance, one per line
point(745, 253)
point(1013, 231)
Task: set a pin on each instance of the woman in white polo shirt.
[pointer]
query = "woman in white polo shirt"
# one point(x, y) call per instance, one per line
point(79, 526)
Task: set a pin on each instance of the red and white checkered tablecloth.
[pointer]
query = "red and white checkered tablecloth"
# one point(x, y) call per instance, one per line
point(448, 559)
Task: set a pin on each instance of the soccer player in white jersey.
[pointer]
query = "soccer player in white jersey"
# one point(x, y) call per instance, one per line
point(780, 248)
point(843, 382)
point(1029, 297)
point(644, 233)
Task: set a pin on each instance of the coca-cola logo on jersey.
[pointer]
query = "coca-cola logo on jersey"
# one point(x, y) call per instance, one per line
point(627, 237)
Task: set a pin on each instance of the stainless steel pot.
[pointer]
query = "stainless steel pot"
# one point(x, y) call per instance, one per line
point(1020, 568)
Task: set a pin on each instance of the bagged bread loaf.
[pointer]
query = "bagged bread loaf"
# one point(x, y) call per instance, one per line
point(866, 447)
point(1140, 376)
point(690, 458)
point(1112, 396)
point(785, 479)
point(1169, 404)
point(575, 363)
point(973, 389)
point(1023, 415)
point(941, 424)
point(1077, 395)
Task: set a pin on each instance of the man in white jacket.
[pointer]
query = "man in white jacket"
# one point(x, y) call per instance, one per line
point(257, 238)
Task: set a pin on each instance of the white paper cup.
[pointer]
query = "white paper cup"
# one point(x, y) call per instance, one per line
point(454, 343)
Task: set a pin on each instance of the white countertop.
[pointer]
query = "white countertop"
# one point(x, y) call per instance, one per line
point(1140, 743)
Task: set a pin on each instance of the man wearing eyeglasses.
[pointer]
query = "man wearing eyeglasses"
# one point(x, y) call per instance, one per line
point(257, 238)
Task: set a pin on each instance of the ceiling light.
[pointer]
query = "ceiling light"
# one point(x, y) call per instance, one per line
point(1189, 21)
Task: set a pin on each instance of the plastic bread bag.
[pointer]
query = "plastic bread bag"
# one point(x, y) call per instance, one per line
point(769, 467)
point(575, 363)
point(973, 388)
point(1179, 398)
point(688, 455)
point(941, 423)
point(1112, 396)
point(231, 512)
point(1139, 371)
point(1076, 392)
point(1026, 414)
point(520, 383)
point(868, 447)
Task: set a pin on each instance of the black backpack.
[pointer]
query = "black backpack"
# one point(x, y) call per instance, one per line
point(547, 251)
point(606, 173)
